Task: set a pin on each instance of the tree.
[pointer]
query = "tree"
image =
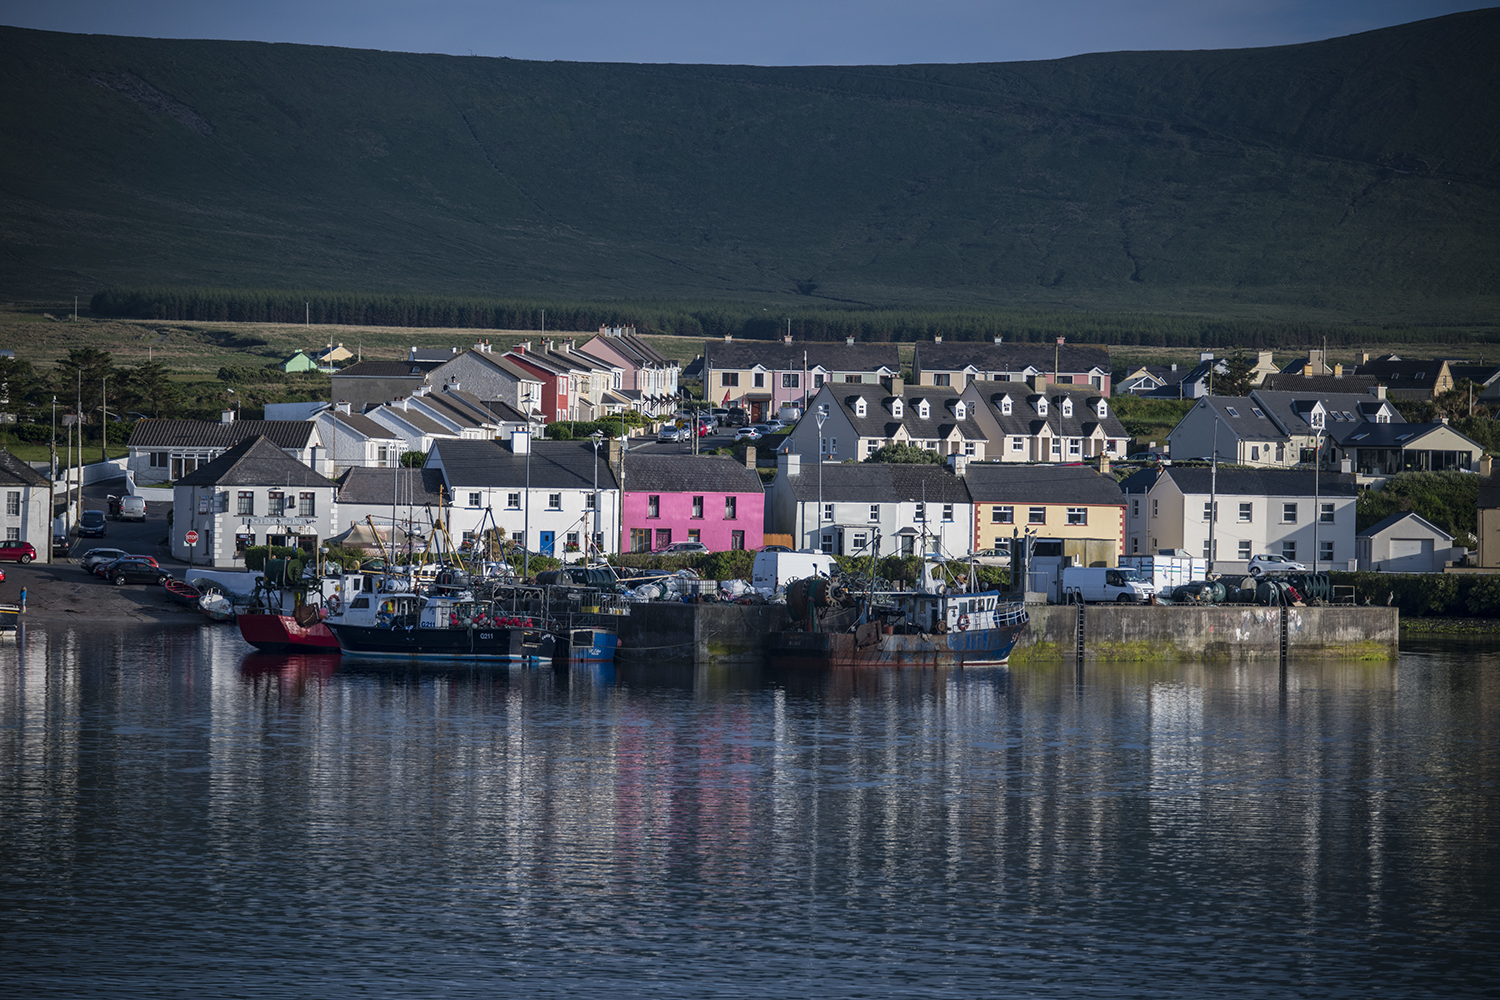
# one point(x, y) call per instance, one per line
point(22, 390)
point(1232, 376)
point(81, 375)
point(908, 454)
point(152, 389)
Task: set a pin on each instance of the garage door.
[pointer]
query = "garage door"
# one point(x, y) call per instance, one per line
point(1410, 555)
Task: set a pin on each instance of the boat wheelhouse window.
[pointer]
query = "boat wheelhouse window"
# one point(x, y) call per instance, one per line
point(360, 602)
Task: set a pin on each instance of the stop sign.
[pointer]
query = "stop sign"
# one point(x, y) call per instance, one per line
point(192, 538)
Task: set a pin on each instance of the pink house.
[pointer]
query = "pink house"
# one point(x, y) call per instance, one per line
point(711, 499)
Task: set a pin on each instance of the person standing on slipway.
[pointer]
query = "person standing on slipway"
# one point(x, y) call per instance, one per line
point(23, 598)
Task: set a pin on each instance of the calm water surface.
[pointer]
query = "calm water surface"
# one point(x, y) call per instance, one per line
point(180, 816)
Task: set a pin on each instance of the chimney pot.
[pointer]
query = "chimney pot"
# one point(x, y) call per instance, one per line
point(750, 457)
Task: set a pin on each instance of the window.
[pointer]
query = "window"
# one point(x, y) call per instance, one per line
point(1246, 510)
point(1155, 508)
point(158, 460)
point(921, 513)
point(1017, 444)
point(828, 512)
point(851, 378)
point(1135, 508)
point(790, 381)
point(246, 504)
point(1005, 407)
point(1281, 453)
point(307, 504)
point(833, 446)
point(1208, 549)
point(827, 542)
point(968, 447)
point(554, 501)
point(518, 538)
point(1325, 551)
point(1057, 447)
point(1067, 406)
point(1135, 544)
point(13, 503)
point(731, 508)
point(817, 381)
point(726, 379)
point(1289, 551)
point(1255, 453)
point(640, 539)
point(1210, 508)
point(736, 541)
point(244, 540)
point(513, 501)
point(653, 505)
point(1288, 513)
point(1002, 515)
point(276, 504)
point(570, 541)
point(1036, 515)
point(859, 540)
point(663, 537)
point(383, 456)
point(475, 499)
point(759, 380)
point(1075, 447)
point(947, 512)
point(589, 501)
point(698, 507)
point(695, 535)
point(859, 407)
point(1256, 410)
point(12, 534)
point(922, 410)
point(874, 512)
point(1078, 515)
point(898, 410)
point(1232, 412)
point(1325, 516)
point(1245, 550)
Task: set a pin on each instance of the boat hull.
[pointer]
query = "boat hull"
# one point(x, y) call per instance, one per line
point(401, 642)
point(868, 647)
point(586, 645)
point(278, 633)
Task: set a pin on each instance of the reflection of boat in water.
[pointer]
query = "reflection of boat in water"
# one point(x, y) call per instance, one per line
point(933, 626)
point(304, 665)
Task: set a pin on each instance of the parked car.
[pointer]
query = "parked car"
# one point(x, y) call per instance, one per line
point(991, 557)
point(668, 433)
point(684, 548)
point(135, 569)
point(746, 434)
point(94, 558)
point(91, 524)
point(1143, 456)
point(132, 508)
point(774, 426)
point(102, 569)
point(15, 550)
point(1274, 564)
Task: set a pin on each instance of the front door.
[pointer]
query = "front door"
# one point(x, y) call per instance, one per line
point(546, 544)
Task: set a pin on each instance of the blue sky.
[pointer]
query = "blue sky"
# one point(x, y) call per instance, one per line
point(763, 32)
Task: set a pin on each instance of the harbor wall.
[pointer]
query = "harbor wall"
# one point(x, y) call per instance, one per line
point(709, 634)
point(1208, 632)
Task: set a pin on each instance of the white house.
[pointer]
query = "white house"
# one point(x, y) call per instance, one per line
point(161, 451)
point(252, 494)
point(1406, 543)
point(1023, 422)
point(1292, 513)
point(553, 497)
point(864, 507)
point(26, 514)
point(859, 419)
point(356, 441)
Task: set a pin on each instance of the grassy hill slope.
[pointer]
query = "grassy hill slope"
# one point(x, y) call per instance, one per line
point(1355, 178)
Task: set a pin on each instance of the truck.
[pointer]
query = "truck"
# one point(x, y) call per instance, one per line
point(1095, 584)
point(1167, 572)
point(772, 571)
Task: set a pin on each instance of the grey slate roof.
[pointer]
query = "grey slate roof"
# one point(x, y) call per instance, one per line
point(1395, 435)
point(987, 356)
point(1318, 385)
point(557, 465)
point(1291, 409)
point(1024, 420)
point(1395, 519)
point(362, 424)
point(1248, 420)
point(255, 461)
point(381, 486)
point(211, 434)
point(877, 482)
point(688, 474)
point(418, 420)
point(1259, 482)
point(14, 472)
point(777, 355)
point(1010, 483)
point(386, 369)
point(879, 422)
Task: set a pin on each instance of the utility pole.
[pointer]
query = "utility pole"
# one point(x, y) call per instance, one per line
point(103, 422)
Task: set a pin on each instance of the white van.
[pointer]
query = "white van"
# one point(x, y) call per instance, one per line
point(1093, 584)
point(774, 570)
point(132, 508)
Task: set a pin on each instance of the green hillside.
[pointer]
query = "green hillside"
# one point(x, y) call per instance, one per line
point(1355, 179)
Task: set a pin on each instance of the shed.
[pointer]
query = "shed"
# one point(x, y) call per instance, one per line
point(1405, 543)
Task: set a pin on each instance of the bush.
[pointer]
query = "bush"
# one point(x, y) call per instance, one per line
point(1427, 595)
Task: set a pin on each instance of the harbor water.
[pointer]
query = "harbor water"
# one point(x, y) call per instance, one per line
point(181, 816)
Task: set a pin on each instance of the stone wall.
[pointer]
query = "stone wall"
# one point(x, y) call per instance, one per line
point(1213, 632)
point(708, 634)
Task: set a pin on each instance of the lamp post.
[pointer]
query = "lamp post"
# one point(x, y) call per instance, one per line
point(624, 447)
point(526, 511)
point(593, 542)
point(1317, 495)
point(1213, 495)
point(821, 417)
point(54, 438)
point(103, 421)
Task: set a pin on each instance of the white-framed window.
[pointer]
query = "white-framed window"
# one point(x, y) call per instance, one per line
point(1289, 551)
point(512, 501)
point(1208, 549)
point(1244, 549)
point(1155, 510)
point(874, 512)
point(697, 508)
point(307, 505)
point(476, 499)
point(859, 407)
point(922, 410)
point(1017, 444)
point(1325, 515)
point(1210, 508)
point(898, 409)
point(1325, 551)
point(1057, 447)
point(1247, 511)
point(731, 508)
point(1288, 513)
point(1036, 515)
point(859, 539)
point(1078, 515)
point(1002, 515)
point(947, 512)
point(1135, 544)
point(590, 501)
point(921, 514)
point(1135, 508)
point(1067, 406)
point(790, 380)
point(246, 505)
point(1075, 447)
point(1005, 407)
point(968, 447)
point(828, 512)
point(554, 501)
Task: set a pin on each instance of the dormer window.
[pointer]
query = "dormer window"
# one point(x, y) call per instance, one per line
point(960, 411)
point(1317, 419)
point(859, 407)
point(922, 410)
point(1067, 406)
point(897, 410)
point(1005, 406)
point(1102, 410)
point(1041, 406)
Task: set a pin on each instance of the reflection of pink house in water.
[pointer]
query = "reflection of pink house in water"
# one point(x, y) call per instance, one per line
point(711, 499)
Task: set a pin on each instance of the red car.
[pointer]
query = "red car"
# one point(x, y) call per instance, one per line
point(12, 550)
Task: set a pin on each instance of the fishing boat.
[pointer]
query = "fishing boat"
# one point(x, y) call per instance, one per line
point(216, 607)
point(284, 613)
point(935, 625)
point(408, 626)
point(183, 592)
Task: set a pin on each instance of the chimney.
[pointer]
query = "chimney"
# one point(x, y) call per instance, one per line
point(452, 385)
point(1174, 366)
point(342, 406)
point(789, 463)
point(226, 416)
point(999, 340)
point(1205, 356)
point(959, 464)
point(522, 347)
point(1103, 464)
point(1364, 357)
point(728, 337)
point(849, 340)
point(615, 451)
point(453, 350)
point(895, 384)
point(413, 355)
point(1486, 466)
point(1378, 391)
point(520, 441)
point(1338, 371)
point(750, 457)
point(786, 338)
point(1038, 383)
point(937, 338)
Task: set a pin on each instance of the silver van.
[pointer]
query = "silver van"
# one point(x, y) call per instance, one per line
point(132, 508)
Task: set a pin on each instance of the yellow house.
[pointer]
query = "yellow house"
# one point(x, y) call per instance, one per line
point(1084, 508)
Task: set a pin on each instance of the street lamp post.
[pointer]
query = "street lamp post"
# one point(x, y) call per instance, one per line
point(526, 512)
point(103, 421)
point(593, 542)
point(1317, 495)
point(821, 417)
